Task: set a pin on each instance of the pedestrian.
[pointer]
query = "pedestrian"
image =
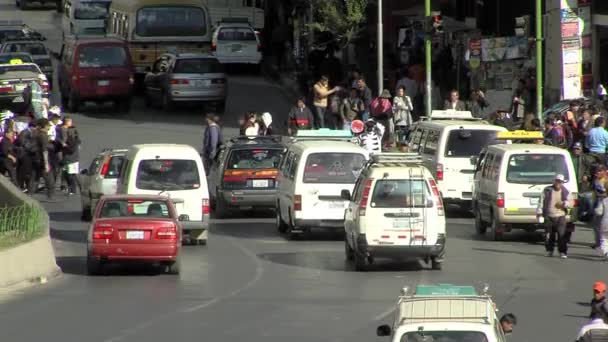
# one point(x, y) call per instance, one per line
point(250, 125)
point(8, 156)
point(26, 151)
point(212, 141)
point(573, 113)
point(453, 102)
point(600, 223)
point(507, 323)
point(71, 156)
point(407, 83)
point(583, 127)
point(477, 103)
point(321, 92)
point(582, 170)
point(266, 127)
point(402, 115)
point(365, 94)
point(382, 112)
point(597, 140)
point(554, 133)
point(350, 109)
point(599, 304)
point(41, 166)
point(299, 117)
point(553, 207)
point(371, 138)
point(599, 192)
point(596, 329)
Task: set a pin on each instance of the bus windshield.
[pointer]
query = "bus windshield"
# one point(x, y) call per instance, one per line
point(92, 10)
point(168, 21)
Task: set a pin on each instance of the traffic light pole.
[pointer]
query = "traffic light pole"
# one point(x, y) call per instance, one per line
point(428, 60)
point(539, 59)
point(380, 48)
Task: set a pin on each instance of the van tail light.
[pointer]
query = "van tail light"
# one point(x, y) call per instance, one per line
point(500, 200)
point(104, 168)
point(365, 196)
point(179, 81)
point(297, 202)
point(166, 233)
point(6, 88)
point(437, 197)
point(439, 172)
point(213, 47)
point(206, 209)
point(102, 233)
point(574, 200)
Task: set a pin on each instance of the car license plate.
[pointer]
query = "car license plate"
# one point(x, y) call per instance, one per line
point(260, 183)
point(202, 83)
point(336, 205)
point(534, 200)
point(135, 235)
point(103, 83)
point(401, 223)
point(20, 87)
point(18, 99)
point(236, 47)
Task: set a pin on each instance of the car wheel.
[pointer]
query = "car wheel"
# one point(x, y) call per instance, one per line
point(174, 267)
point(361, 263)
point(86, 214)
point(166, 102)
point(221, 211)
point(436, 265)
point(350, 254)
point(480, 226)
point(73, 103)
point(123, 105)
point(289, 234)
point(281, 225)
point(94, 266)
point(22, 5)
point(494, 225)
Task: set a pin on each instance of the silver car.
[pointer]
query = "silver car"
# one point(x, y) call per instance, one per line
point(186, 77)
point(100, 179)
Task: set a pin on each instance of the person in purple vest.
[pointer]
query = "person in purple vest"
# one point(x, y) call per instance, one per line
point(552, 209)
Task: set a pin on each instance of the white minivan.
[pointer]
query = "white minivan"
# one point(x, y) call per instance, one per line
point(85, 17)
point(311, 178)
point(447, 141)
point(173, 170)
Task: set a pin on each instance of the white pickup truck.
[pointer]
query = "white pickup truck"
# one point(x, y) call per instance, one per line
point(254, 15)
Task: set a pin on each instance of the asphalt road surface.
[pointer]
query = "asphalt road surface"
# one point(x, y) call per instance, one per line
point(250, 284)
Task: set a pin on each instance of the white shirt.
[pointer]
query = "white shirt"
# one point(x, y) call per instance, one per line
point(593, 324)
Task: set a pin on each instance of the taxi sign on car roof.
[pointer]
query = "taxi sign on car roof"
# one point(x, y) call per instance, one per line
point(15, 61)
point(451, 114)
point(445, 290)
point(520, 135)
point(325, 132)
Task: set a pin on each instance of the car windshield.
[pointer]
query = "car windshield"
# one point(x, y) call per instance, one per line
point(197, 66)
point(168, 175)
point(464, 143)
point(236, 33)
point(389, 193)
point(135, 207)
point(102, 56)
point(43, 62)
point(333, 168)
point(6, 59)
point(536, 168)
point(171, 21)
point(444, 336)
point(31, 48)
point(254, 159)
point(92, 10)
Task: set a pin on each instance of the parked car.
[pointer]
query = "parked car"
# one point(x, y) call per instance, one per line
point(236, 42)
point(100, 179)
point(183, 78)
point(32, 44)
point(95, 69)
point(23, 57)
point(134, 228)
point(14, 79)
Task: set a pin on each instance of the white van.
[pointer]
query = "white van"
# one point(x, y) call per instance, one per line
point(395, 211)
point(174, 170)
point(446, 142)
point(509, 180)
point(85, 17)
point(311, 178)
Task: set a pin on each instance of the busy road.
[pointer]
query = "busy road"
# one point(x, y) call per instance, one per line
point(250, 283)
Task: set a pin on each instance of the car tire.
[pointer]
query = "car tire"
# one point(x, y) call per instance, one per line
point(167, 104)
point(123, 105)
point(175, 266)
point(94, 266)
point(73, 103)
point(22, 4)
point(496, 236)
point(436, 265)
point(86, 214)
point(349, 252)
point(361, 263)
point(221, 211)
point(281, 225)
point(480, 226)
point(289, 234)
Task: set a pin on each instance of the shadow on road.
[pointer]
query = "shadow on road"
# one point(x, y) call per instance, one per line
point(248, 230)
point(457, 212)
point(78, 236)
point(65, 216)
point(72, 265)
point(540, 253)
point(76, 265)
point(335, 261)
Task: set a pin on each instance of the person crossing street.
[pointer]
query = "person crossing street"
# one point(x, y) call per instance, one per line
point(553, 207)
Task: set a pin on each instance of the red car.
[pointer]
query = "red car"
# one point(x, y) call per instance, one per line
point(134, 228)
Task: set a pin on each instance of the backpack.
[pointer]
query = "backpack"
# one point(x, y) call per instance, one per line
point(380, 107)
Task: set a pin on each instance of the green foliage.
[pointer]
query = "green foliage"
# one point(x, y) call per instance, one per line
point(342, 19)
point(20, 224)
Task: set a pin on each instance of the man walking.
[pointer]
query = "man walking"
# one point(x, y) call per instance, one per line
point(553, 208)
point(41, 166)
point(71, 156)
point(212, 140)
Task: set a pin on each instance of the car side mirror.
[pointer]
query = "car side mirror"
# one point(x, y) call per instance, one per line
point(473, 160)
point(148, 69)
point(383, 330)
point(345, 195)
point(84, 171)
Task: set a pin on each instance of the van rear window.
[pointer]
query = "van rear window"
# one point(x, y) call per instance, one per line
point(254, 159)
point(392, 193)
point(102, 56)
point(236, 34)
point(197, 66)
point(536, 168)
point(167, 175)
point(333, 168)
point(464, 143)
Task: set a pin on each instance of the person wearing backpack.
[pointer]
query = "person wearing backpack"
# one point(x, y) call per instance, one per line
point(71, 156)
point(212, 141)
point(41, 167)
point(382, 112)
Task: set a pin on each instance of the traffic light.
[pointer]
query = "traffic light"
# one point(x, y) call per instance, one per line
point(434, 24)
point(522, 26)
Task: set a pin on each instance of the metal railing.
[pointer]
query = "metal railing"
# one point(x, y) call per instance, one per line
point(20, 224)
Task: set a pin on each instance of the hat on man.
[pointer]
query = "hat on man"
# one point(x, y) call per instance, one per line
point(560, 177)
point(385, 94)
point(599, 286)
point(577, 146)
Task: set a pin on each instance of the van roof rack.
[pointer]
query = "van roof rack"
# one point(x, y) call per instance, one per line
point(463, 115)
point(235, 20)
point(396, 158)
point(250, 139)
point(25, 37)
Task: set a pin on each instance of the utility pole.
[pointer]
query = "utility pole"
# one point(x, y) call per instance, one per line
point(539, 59)
point(428, 60)
point(380, 49)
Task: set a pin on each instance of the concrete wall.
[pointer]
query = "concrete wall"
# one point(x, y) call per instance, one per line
point(31, 260)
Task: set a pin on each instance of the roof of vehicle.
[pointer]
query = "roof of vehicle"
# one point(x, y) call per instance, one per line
point(131, 5)
point(255, 142)
point(482, 125)
point(329, 146)
point(396, 165)
point(189, 55)
point(527, 148)
point(135, 196)
point(16, 66)
point(171, 149)
point(94, 39)
point(114, 151)
point(234, 24)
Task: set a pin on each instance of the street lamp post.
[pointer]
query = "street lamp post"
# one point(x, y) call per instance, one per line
point(428, 61)
point(380, 49)
point(539, 59)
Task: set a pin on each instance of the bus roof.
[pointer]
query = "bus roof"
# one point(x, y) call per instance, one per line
point(134, 5)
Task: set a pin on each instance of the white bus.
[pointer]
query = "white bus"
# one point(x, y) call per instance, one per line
point(85, 16)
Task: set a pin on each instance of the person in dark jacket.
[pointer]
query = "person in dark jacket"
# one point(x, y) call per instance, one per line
point(300, 117)
point(8, 156)
point(553, 207)
point(212, 141)
point(41, 167)
point(477, 103)
point(596, 329)
point(71, 156)
point(454, 102)
point(507, 322)
point(25, 151)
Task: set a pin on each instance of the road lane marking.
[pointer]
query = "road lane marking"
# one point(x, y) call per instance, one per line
point(259, 271)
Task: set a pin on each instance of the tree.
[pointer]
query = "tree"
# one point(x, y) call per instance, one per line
point(340, 19)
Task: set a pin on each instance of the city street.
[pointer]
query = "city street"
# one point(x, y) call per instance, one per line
point(251, 284)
